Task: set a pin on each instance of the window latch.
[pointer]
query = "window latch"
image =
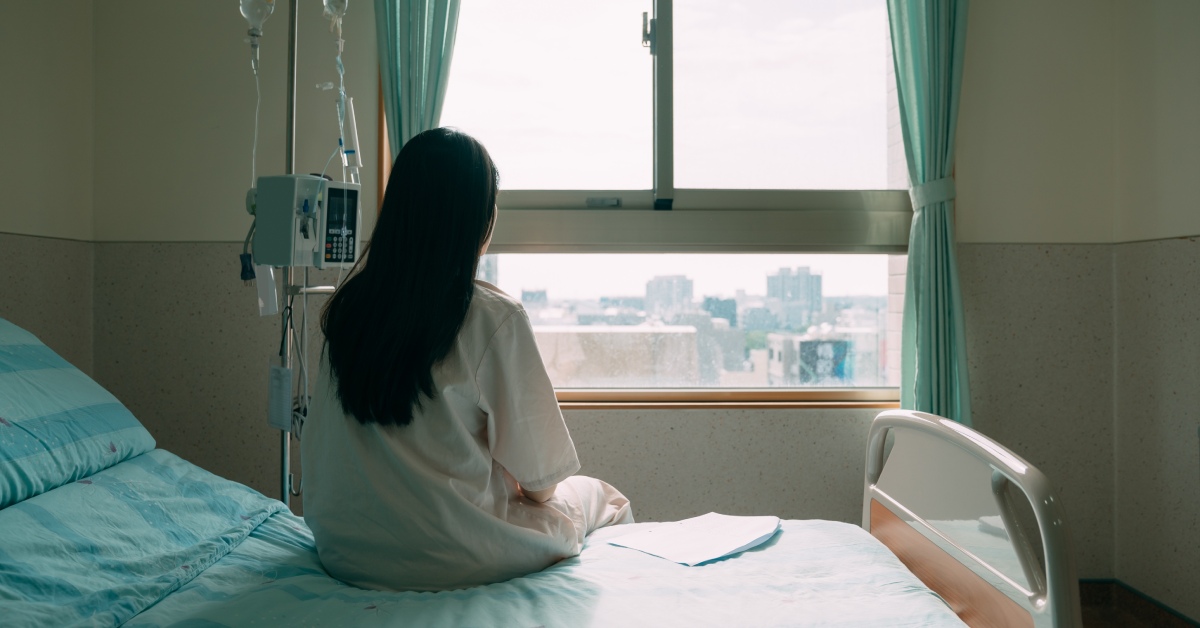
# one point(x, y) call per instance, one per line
point(648, 33)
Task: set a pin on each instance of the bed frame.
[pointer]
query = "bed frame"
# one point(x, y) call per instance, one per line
point(1050, 594)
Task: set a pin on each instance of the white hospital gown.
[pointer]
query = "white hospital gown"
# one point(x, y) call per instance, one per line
point(435, 505)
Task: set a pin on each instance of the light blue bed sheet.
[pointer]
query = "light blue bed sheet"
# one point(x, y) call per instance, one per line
point(100, 550)
point(156, 541)
point(812, 573)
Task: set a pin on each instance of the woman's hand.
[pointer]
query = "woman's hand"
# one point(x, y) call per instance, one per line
point(540, 496)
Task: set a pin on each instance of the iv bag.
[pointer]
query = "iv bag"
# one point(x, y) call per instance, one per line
point(335, 8)
point(257, 11)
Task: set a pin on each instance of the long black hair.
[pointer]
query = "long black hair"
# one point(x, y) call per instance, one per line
point(400, 311)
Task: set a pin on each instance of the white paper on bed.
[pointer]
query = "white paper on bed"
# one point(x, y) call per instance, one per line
point(701, 539)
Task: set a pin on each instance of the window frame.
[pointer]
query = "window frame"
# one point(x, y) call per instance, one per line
point(670, 220)
point(727, 398)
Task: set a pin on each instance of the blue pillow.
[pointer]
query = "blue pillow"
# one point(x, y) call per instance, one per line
point(56, 424)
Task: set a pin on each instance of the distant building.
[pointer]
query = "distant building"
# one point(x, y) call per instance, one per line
point(632, 303)
point(611, 316)
point(534, 298)
point(721, 308)
point(796, 360)
point(708, 352)
point(799, 295)
point(867, 303)
point(828, 357)
point(668, 295)
point(619, 356)
point(610, 311)
point(759, 319)
point(489, 269)
point(732, 342)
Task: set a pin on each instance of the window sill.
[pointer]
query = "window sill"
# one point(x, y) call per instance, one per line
point(731, 399)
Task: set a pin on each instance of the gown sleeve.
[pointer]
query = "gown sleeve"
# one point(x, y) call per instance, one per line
point(526, 431)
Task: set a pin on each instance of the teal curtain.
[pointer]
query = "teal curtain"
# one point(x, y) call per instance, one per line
point(416, 42)
point(928, 40)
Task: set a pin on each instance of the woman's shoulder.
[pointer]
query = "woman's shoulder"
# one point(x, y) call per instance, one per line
point(495, 298)
point(491, 306)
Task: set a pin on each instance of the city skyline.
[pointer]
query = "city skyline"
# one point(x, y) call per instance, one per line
point(793, 336)
point(593, 276)
point(658, 329)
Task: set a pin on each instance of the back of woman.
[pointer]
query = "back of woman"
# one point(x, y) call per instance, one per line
point(435, 456)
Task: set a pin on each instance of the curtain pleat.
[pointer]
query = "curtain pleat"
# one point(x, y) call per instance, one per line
point(928, 42)
point(416, 44)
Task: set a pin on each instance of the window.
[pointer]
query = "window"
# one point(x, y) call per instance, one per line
point(704, 321)
point(738, 95)
point(769, 130)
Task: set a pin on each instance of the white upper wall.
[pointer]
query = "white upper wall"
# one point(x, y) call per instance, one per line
point(46, 119)
point(1035, 150)
point(1077, 121)
point(1158, 113)
point(175, 101)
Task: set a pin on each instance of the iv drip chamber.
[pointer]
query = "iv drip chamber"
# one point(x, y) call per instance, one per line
point(256, 12)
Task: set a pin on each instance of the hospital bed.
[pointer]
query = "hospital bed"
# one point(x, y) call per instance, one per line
point(97, 527)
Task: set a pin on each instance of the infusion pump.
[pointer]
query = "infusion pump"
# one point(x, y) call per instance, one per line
point(306, 220)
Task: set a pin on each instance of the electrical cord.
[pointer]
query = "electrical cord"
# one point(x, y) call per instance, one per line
point(246, 258)
point(287, 322)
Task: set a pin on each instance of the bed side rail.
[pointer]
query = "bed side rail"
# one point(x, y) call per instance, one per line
point(1052, 591)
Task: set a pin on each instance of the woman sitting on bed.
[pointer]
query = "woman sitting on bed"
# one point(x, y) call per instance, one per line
point(436, 456)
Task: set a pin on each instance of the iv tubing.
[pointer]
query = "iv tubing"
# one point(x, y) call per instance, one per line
point(254, 146)
point(330, 160)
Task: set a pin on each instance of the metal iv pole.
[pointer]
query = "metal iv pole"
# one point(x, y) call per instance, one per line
point(285, 459)
point(287, 317)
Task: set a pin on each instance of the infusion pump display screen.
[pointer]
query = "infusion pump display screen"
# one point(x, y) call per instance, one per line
point(341, 225)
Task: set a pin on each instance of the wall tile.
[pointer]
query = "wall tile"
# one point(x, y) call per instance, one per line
point(46, 287)
point(180, 342)
point(1158, 410)
point(1039, 341)
point(798, 464)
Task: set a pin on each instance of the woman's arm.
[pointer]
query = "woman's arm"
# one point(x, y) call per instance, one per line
point(540, 496)
point(525, 429)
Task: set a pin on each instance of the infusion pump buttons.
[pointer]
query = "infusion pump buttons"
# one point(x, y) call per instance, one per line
point(339, 245)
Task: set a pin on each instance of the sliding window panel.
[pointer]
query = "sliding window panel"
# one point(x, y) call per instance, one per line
point(560, 93)
point(782, 94)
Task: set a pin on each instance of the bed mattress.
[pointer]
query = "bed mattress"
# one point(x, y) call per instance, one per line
point(156, 541)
